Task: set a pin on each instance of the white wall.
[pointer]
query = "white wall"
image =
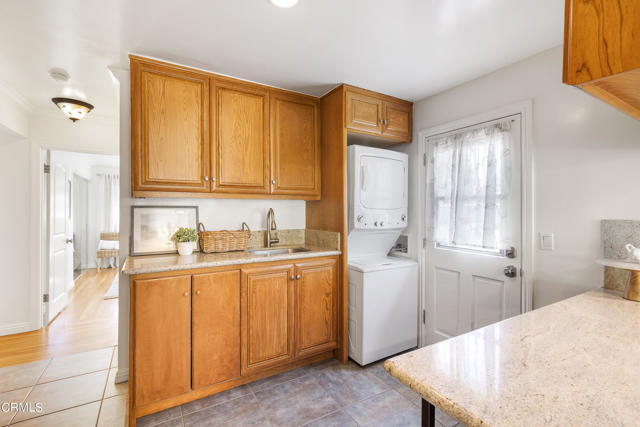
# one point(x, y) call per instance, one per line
point(14, 118)
point(16, 294)
point(586, 157)
point(93, 134)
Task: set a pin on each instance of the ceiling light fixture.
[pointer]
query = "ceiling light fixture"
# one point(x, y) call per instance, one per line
point(74, 109)
point(284, 3)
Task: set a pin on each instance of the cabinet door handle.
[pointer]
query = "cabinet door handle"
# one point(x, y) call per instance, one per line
point(198, 292)
point(206, 178)
point(292, 278)
point(298, 277)
point(273, 181)
point(186, 294)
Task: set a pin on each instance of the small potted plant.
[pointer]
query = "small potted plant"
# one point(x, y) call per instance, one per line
point(185, 239)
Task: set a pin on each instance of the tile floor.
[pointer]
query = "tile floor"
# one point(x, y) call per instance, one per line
point(323, 394)
point(79, 390)
point(75, 390)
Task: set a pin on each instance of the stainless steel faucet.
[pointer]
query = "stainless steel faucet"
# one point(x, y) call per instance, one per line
point(271, 226)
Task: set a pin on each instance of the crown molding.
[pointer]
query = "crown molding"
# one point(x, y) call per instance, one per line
point(16, 96)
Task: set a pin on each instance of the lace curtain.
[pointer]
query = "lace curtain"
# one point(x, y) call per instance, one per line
point(468, 177)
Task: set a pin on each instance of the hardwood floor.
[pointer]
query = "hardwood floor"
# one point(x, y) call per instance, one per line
point(89, 322)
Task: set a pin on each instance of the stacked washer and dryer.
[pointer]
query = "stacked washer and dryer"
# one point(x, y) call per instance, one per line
point(383, 289)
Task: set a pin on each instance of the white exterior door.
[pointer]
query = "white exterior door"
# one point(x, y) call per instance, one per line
point(468, 288)
point(60, 240)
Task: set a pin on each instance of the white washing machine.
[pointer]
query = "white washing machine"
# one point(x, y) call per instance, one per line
point(383, 290)
point(383, 310)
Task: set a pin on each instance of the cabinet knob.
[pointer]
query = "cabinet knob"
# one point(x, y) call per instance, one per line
point(186, 294)
point(298, 277)
point(273, 181)
point(198, 292)
point(206, 178)
point(292, 278)
point(213, 179)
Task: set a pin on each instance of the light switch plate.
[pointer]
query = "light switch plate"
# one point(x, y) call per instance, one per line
point(546, 242)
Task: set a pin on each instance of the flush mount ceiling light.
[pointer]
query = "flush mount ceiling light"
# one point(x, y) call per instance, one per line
point(284, 3)
point(74, 109)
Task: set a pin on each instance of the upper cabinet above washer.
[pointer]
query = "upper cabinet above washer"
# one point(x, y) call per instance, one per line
point(372, 113)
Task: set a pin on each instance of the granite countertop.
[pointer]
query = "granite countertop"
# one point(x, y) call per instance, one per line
point(174, 262)
point(575, 362)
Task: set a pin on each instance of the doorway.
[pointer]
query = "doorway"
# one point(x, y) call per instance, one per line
point(80, 203)
point(475, 222)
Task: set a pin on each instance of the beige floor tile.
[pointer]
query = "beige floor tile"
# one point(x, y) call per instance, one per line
point(62, 394)
point(113, 412)
point(20, 376)
point(80, 416)
point(15, 396)
point(77, 364)
point(114, 389)
point(114, 360)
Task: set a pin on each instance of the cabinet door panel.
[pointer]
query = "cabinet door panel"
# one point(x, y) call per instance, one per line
point(363, 112)
point(316, 306)
point(295, 143)
point(241, 138)
point(397, 120)
point(215, 327)
point(161, 333)
point(170, 129)
point(267, 315)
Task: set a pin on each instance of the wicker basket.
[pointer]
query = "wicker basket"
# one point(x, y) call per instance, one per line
point(223, 240)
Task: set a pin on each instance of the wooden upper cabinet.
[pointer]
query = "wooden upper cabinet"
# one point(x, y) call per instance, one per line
point(215, 327)
point(162, 338)
point(267, 317)
point(378, 115)
point(397, 119)
point(169, 128)
point(241, 137)
point(295, 144)
point(602, 51)
point(316, 306)
point(363, 112)
point(602, 37)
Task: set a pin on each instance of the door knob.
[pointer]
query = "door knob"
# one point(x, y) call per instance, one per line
point(69, 241)
point(510, 271)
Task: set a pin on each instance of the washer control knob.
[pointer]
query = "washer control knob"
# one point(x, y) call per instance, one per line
point(403, 217)
point(375, 224)
point(381, 223)
point(360, 218)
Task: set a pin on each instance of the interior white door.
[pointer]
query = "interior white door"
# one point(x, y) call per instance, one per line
point(467, 289)
point(60, 240)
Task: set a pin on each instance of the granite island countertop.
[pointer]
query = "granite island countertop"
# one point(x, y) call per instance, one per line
point(575, 362)
point(173, 262)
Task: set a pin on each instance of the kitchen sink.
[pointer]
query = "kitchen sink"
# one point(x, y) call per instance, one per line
point(277, 251)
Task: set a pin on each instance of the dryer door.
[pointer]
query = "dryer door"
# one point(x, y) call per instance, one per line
point(382, 183)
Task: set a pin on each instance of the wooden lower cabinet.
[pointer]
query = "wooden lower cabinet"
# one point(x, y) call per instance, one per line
point(162, 337)
point(215, 317)
point(196, 334)
point(267, 316)
point(316, 297)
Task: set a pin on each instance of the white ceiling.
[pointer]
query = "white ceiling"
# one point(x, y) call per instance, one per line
point(406, 48)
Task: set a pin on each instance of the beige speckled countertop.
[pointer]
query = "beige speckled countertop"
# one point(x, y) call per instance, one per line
point(575, 362)
point(161, 263)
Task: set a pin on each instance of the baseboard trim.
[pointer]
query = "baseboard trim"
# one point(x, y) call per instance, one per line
point(16, 328)
point(122, 376)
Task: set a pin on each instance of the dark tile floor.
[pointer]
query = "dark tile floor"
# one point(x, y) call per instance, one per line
point(323, 394)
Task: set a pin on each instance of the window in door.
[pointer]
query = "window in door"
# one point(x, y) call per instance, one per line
point(468, 187)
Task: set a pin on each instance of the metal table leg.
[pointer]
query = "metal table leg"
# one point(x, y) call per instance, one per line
point(428, 414)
